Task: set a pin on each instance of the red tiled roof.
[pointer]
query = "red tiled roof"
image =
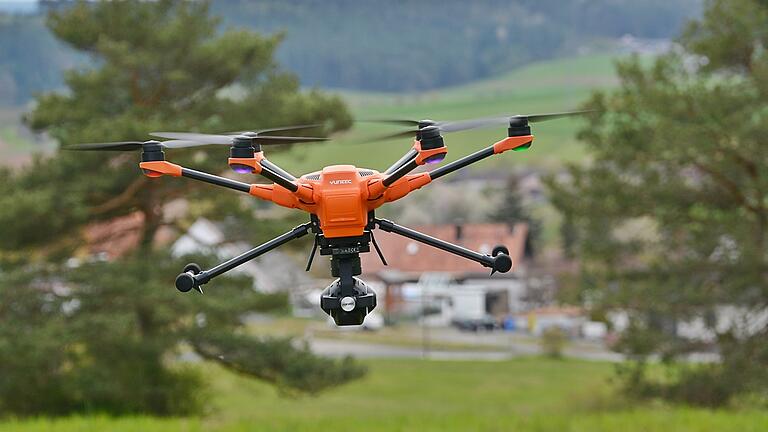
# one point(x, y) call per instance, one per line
point(120, 235)
point(407, 255)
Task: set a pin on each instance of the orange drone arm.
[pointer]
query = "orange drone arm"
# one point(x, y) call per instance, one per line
point(291, 195)
point(302, 199)
point(258, 164)
point(510, 143)
point(396, 182)
point(379, 192)
point(252, 163)
point(160, 168)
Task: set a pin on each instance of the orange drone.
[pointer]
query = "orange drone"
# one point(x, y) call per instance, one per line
point(341, 199)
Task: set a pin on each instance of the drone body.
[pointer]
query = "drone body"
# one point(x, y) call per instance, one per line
point(341, 200)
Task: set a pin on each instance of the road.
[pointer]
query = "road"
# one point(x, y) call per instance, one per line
point(509, 346)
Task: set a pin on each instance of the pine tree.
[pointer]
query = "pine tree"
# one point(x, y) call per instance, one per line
point(672, 211)
point(513, 210)
point(102, 335)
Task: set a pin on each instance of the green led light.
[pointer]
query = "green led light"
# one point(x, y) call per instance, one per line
point(523, 147)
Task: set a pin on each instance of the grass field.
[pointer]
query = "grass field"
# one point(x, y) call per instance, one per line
point(529, 394)
point(556, 85)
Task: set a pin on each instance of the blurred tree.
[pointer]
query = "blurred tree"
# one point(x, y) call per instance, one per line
point(672, 213)
point(512, 210)
point(101, 336)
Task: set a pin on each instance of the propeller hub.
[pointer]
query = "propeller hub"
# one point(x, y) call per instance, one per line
point(152, 145)
point(430, 138)
point(152, 151)
point(242, 141)
point(426, 122)
point(518, 121)
point(518, 126)
point(243, 146)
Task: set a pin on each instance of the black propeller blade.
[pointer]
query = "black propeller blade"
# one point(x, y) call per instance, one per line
point(401, 122)
point(110, 146)
point(197, 139)
point(462, 125)
point(130, 145)
point(260, 137)
point(187, 139)
point(276, 129)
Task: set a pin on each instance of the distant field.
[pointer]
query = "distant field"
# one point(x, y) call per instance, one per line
point(529, 394)
point(556, 85)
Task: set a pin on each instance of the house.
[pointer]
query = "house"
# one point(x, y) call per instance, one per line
point(569, 319)
point(108, 240)
point(455, 285)
point(271, 272)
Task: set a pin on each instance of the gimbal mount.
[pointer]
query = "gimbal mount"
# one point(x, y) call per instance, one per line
point(348, 299)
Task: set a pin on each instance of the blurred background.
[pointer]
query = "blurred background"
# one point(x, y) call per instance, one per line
point(639, 232)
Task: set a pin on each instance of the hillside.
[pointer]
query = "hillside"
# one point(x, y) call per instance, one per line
point(420, 45)
point(555, 85)
point(366, 45)
point(541, 87)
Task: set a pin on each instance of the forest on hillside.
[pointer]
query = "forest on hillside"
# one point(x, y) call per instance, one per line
point(379, 46)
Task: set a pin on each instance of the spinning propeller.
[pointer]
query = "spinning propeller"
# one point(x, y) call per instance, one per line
point(414, 126)
point(186, 139)
point(132, 145)
point(260, 137)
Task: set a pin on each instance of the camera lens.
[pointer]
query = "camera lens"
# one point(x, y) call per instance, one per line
point(347, 304)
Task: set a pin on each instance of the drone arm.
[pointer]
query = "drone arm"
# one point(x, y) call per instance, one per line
point(277, 170)
point(510, 143)
point(501, 262)
point(399, 184)
point(392, 187)
point(159, 168)
point(188, 280)
point(260, 165)
point(415, 157)
point(412, 153)
point(399, 173)
point(283, 192)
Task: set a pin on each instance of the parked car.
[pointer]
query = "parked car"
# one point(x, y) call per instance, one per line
point(486, 322)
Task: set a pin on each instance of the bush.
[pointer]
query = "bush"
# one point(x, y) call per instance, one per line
point(108, 341)
point(553, 340)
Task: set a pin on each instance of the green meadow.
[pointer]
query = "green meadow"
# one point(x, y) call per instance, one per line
point(557, 85)
point(526, 394)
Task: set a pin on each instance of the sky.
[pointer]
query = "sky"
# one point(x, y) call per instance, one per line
point(18, 6)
